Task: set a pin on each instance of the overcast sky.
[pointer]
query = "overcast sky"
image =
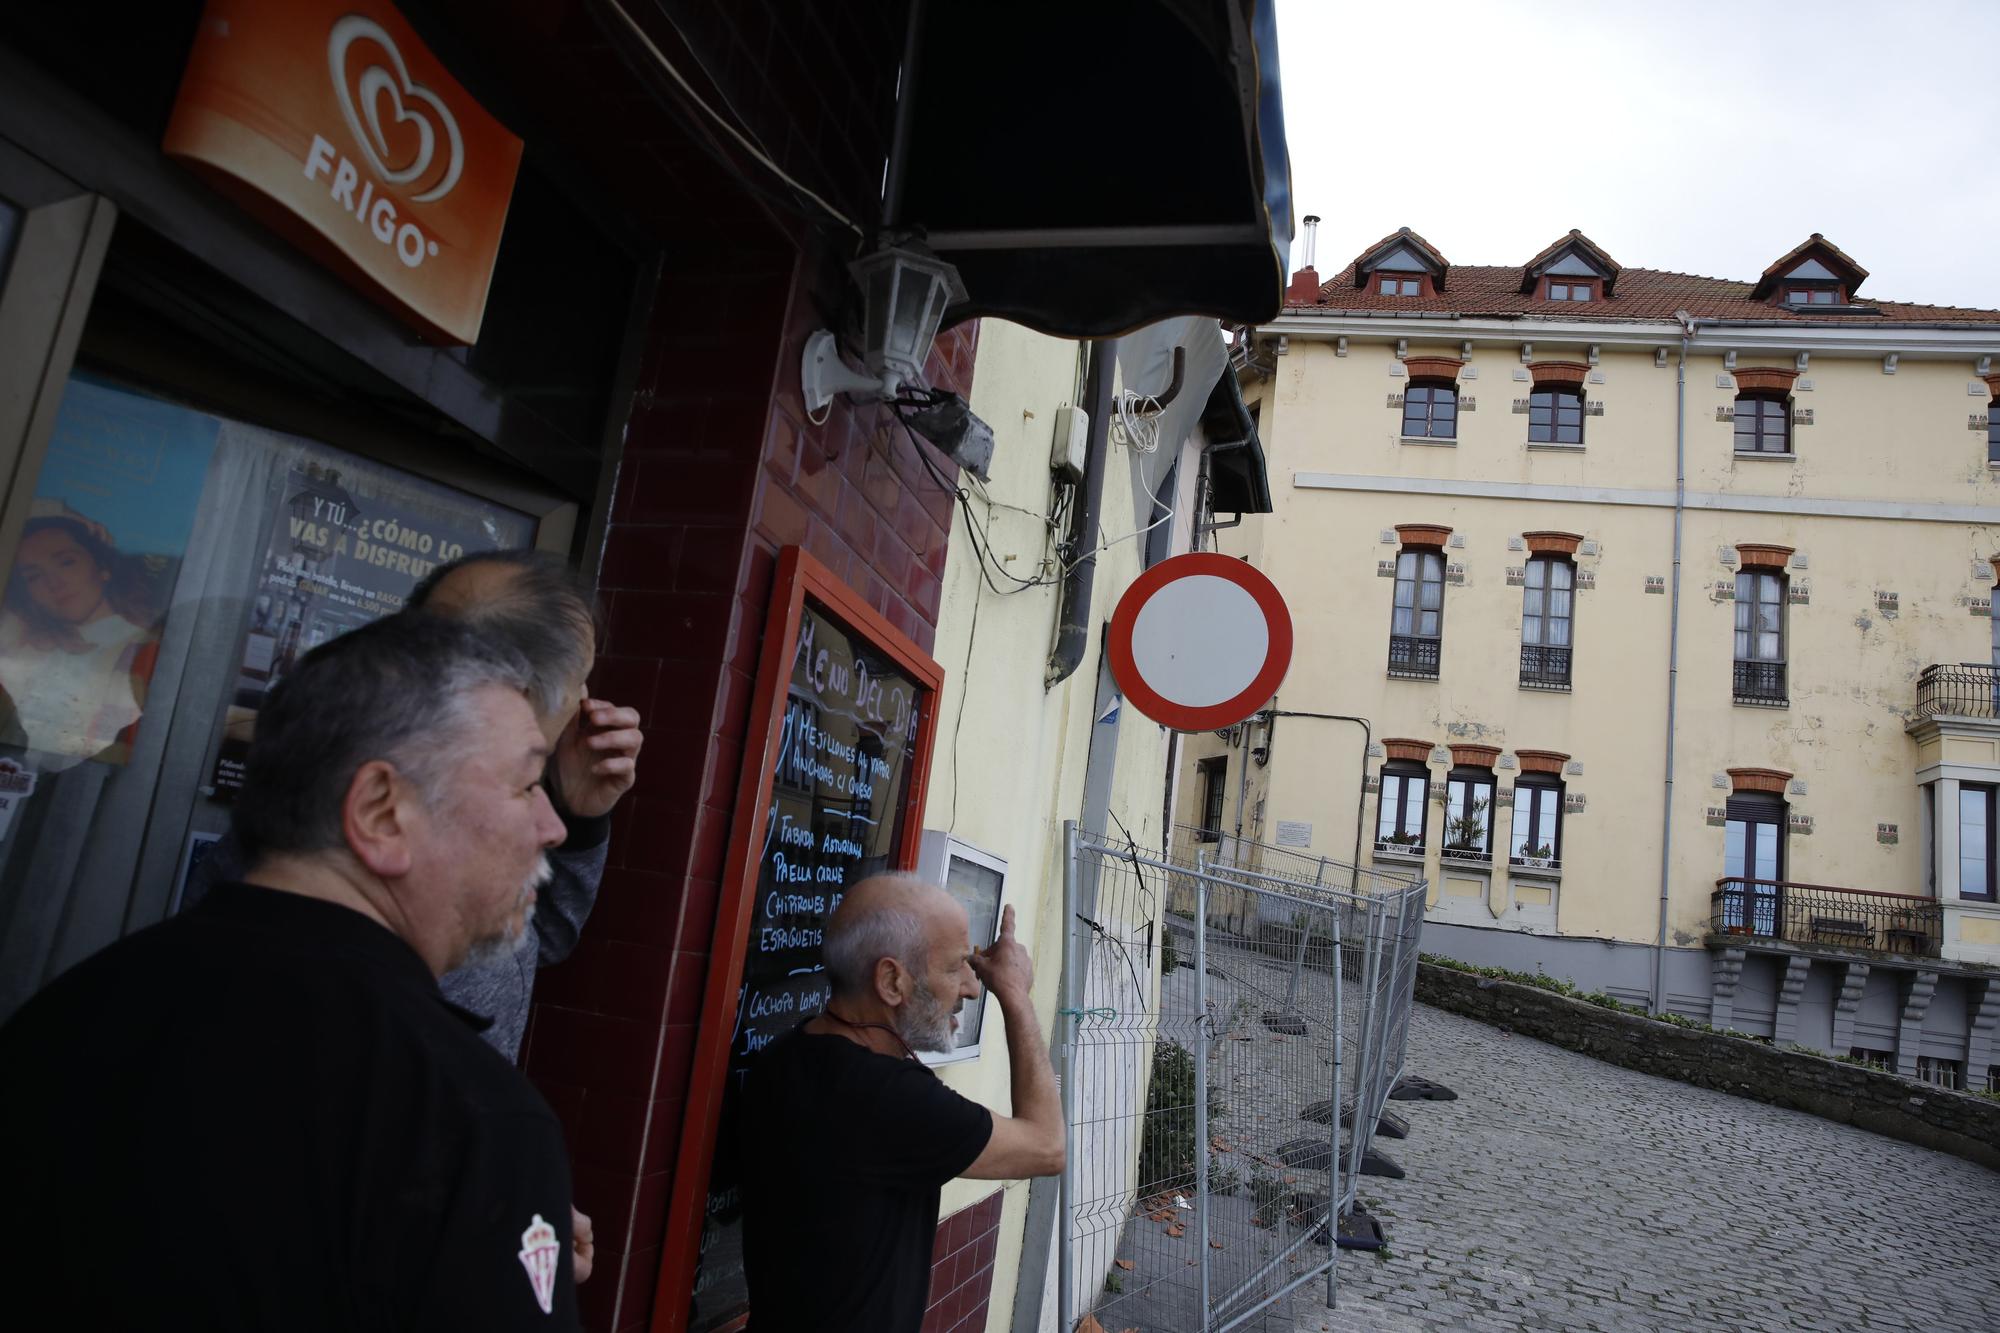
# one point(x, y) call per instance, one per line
point(1696, 136)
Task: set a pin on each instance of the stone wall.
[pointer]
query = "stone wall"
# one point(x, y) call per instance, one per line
point(1952, 1122)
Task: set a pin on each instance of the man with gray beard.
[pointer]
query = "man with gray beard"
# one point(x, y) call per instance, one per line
point(840, 1119)
point(262, 1113)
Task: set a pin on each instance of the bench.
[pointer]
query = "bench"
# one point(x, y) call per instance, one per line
point(1842, 930)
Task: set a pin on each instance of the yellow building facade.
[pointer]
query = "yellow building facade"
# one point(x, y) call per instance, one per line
point(1631, 610)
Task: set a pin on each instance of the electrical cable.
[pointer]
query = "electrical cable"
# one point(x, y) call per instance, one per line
point(958, 724)
point(741, 138)
point(981, 544)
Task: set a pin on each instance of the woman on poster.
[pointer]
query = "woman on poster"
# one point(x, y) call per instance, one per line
point(79, 635)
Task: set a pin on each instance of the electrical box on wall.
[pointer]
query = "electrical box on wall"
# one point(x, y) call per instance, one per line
point(978, 880)
point(1072, 440)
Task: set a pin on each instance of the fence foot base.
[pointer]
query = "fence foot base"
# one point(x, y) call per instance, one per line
point(1360, 1231)
point(1285, 1021)
point(1410, 1088)
point(1388, 1125)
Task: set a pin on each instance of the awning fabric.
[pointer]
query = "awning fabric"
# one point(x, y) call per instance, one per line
point(1094, 168)
point(1208, 396)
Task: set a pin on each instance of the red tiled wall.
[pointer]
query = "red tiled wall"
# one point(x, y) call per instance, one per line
point(720, 470)
point(962, 1268)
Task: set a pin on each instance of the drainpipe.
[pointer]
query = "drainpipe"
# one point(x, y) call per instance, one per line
point(1073, 628)
point(1673, 661)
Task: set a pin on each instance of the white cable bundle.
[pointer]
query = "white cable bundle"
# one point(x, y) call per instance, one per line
point(1139, 426)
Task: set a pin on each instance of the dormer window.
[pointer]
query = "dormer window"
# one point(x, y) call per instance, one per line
point(1396, 284)
point(1811, 294)
point(1571, 289)
point(1573, 270)
point(1401, 265)
point(1815, 275)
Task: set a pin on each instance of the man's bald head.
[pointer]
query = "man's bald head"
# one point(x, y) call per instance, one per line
point(531, 602)
point(895, 916)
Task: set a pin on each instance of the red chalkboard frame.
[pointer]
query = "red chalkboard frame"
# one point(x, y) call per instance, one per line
point(799, 576)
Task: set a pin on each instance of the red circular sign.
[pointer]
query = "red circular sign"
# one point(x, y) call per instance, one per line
point(1200, 642)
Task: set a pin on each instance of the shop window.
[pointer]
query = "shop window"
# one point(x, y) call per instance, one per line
point(1214, 787)
point(1430, 410)
point(1555, 416)
point(1763, 423)
point(1547, 602)
point(1399, 819)
point(1468, 815)
point(1536, 843)
point(1753, 862)
point(1416, 624)
point(1976, 850)
point(173, 566)
point(1760, 637)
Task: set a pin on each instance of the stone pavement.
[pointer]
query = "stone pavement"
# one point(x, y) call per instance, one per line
point(1559, 1192)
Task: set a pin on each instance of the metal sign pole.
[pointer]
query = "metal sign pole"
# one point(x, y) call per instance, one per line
point(1065, 1241)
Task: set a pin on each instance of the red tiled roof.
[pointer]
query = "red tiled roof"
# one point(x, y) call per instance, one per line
point(1642, 293)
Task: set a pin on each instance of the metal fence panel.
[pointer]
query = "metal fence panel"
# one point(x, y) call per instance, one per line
point(1224, 1007)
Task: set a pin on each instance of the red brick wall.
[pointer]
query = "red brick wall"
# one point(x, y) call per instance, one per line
point(962, 1268)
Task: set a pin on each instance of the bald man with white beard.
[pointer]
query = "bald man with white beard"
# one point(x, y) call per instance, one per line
point(840, 1112)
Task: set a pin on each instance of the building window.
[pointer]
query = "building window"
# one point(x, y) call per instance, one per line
point(1763, 423)
point(1993, 431)
point(1430, 411)
point(1468, 815)
point(1760, 637)
point(1399, 820)
point(1753, 863)
point(1214, 787)
point(1546, 607)
point(1555, 416)
point(1976, 825)
point(1571, 291)
point(1814, 295)
point(1537, 838)
point(1416, 626)
point(1392, 286)
point(1941, 1072)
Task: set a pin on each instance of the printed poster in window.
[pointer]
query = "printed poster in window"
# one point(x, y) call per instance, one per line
point(94, 570)
point(350, 539)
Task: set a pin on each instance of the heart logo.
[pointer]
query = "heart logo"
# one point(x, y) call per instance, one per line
point(393, 85)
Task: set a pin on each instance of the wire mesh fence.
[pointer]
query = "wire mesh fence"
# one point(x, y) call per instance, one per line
point(1236, 1019)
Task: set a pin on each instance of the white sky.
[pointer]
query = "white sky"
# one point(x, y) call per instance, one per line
point(1696, 136)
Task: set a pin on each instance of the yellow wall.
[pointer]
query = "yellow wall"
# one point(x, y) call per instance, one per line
point(1011, 754)
point(1897, 439)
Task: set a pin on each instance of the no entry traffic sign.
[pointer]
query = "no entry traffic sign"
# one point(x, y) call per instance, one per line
point(1200, 642)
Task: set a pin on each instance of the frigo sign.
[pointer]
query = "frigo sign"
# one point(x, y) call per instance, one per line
point(332, 123)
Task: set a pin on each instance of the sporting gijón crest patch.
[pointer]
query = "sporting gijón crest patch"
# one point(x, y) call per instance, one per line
point(540, 1251)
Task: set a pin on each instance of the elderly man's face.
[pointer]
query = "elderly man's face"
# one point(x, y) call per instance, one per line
point(931, 1017)
point(481, 849)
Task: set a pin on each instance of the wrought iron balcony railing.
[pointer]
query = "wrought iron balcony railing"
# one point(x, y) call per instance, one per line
point(1413, 657)
point(1760, 683)
point(1822, 914)
point(1544, 667)
point(1963, 689)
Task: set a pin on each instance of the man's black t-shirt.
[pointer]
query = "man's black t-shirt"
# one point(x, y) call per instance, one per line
point(262, 1115)
point(843, 1153)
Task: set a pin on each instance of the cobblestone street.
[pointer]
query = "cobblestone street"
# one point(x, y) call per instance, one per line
point(1559, 1192)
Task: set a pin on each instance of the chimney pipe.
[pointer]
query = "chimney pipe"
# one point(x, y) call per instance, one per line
point(1312, 235)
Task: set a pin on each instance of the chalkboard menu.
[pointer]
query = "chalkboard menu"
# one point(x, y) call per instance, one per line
point(850, 740)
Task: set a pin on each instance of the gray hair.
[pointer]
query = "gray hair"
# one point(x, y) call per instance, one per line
point(857, 940)
point(543, 613)
point(399, 690)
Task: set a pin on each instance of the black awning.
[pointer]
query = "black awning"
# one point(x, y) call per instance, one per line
point(1238, 481)
point(1091, 168)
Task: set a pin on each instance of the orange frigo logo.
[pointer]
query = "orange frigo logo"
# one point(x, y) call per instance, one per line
point(333, 123)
